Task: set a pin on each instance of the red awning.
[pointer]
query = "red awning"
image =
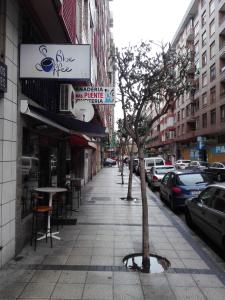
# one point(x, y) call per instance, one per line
point(81, 141)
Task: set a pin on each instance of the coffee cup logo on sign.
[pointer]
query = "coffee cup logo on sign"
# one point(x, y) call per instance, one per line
point(57, 65)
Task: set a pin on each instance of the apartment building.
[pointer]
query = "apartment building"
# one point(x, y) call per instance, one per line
point(198, 130)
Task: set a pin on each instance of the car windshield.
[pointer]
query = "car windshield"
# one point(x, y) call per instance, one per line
point(202, 163)
point(193, 178)
point(186, 161)
point(163, 170)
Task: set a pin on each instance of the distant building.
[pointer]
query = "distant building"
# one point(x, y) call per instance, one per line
point(195, 129)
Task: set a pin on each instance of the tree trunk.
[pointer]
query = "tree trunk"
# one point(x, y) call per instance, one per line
point(145, 229)
point(122, 167)
point(129, 191)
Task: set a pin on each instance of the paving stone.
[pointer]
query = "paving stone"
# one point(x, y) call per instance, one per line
point(67, 291)
point(155, 293)
point(38, 290)
point(101, 260)
point(98, 292)
point(11, 291)
point(46, 276)
point(126, 278)
point(214, 293)
point(128, 292)
point(73, 277)
point(184, 293)
point(184, 280)
point(99, 277)
point(78, 260)
point(210, 281)
point(82, 251)
point(55, 260)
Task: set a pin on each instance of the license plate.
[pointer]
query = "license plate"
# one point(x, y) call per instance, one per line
point(195, 193)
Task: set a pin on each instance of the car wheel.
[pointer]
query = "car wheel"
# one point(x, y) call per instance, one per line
point(219, 177)
point(188, 218)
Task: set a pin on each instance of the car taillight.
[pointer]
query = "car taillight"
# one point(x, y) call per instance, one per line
point(176, 190)
point(154, 178)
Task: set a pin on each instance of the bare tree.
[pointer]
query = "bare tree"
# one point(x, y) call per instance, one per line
point(149, 82)
point(125, 143)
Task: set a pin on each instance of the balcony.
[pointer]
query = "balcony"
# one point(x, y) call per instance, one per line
point(190, 34)
point(47, 14)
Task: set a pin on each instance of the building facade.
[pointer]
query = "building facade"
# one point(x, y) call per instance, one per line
point(40, 144)
point(195, 129)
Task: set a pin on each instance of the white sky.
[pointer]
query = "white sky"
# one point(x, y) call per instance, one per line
point(136, 20)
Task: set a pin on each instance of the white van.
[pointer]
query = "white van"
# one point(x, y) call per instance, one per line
point(153, 161)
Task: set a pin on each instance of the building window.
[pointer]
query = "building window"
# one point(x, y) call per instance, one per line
point(178, 116)
point(204, 79)
point(204, 18)
point(213, 117)
point(196, 29)
point(202, 3)
point(212, 72)
point(211, 6)
point(222, 113)
point(204, 39)
point(204, 99)
point(212, 28)
point(196, 48)
point(182, 129)
point(212, 50)
point(197, 123)
point(204, 120)
point(204, 59)
point(178, 130)
point(182, 114)
point(197, 105)
point(213, 95)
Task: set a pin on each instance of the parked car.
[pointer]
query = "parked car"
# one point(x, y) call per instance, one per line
point(217, 169)
point(177, 186)
point(201, 165)
point(135, 163)
point(156, 174)
point(149, 162)
point(109, 162)
point(207, 211)
point(182, 164)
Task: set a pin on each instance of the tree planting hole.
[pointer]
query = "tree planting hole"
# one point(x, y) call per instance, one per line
point(158, 264)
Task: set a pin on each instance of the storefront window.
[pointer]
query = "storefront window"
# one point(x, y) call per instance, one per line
point(30, 169)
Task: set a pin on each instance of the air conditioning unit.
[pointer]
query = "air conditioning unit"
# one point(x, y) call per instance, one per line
point(67, 98)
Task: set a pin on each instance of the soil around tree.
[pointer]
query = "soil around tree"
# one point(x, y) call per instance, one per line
point(155, 264)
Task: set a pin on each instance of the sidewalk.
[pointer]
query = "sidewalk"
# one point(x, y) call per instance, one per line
point(86, 262)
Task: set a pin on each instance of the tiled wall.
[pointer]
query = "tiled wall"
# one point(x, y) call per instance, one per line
point(8, 136)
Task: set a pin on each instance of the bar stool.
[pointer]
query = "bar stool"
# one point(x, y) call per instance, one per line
point(40, 210)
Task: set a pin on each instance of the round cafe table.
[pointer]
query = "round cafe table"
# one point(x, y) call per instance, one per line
point(51, 191)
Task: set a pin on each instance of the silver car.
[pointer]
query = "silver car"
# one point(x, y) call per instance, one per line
point(156, 174)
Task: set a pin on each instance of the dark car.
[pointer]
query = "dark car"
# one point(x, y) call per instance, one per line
point(135, 163)
point(177, 186)
point(217, 169)
point(109, 162)
point(207, 211)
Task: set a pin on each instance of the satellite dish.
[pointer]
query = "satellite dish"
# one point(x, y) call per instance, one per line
point(84, 111)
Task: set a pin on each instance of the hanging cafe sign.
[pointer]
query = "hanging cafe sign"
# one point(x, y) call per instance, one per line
point(60, 61)
point(95, 95)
